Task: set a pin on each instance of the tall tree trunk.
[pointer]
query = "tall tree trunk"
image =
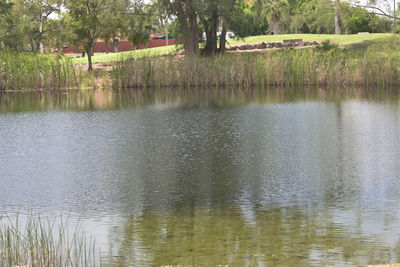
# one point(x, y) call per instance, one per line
point(211, 27)
point(394, 17)
point(187, 18)
point(275, 28)
point(222, 39)
point(115, 44)
point(338, 19)
point(210, 48)
point(89, 52)
point(166, 32)
point(41, 49)
point(106, 43)
point(194, 31)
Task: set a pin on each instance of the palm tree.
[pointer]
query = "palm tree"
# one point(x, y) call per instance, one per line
point(273, 10)
point(276, 10)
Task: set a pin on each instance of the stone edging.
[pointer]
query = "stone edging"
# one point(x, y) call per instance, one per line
point(270, 45)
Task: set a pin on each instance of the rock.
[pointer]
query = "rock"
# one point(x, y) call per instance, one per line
point(262, 45)
point(242, 47)
point(250, 47)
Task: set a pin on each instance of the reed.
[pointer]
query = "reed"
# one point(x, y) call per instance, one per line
point(326, 65)
point(44, 243)
point(32, 71)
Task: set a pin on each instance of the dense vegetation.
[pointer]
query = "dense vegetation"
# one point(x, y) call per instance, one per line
point(29, 71)
point(374, 63)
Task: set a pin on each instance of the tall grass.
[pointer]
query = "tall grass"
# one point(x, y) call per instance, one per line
point(323, 66)
point(32, 71)
point(44, 243)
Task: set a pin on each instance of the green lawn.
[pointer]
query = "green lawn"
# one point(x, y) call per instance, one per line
point(110, 57)
point(342, 40)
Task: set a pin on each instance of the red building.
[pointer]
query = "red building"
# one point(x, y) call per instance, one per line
point(156, 40)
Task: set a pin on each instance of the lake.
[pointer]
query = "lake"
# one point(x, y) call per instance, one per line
point(278, 177)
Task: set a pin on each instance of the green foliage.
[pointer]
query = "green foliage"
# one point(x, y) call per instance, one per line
point(314, 17)
point(273, 10)
point(139, 25)
point(326, 46)
point(29, 24)
point(5, 7)
point(357, 20)
point(85, 23)
point(244, 21)
point(29, 71)
point(317, 16)
point(85, 20)
point(114, 20)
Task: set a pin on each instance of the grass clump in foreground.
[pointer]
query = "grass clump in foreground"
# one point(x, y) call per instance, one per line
point(32, 71)
point(371, 63)
point(44, 243)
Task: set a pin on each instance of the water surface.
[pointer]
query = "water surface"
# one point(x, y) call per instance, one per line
point(214, 177)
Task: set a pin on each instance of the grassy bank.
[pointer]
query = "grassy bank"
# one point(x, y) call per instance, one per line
point(31, 71)
point(342, 40)
point(112, 57)
point(368, 60)
point(43, 243)
point(370, 63)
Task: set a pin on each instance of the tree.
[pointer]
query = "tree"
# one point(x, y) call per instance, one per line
point(86, 23)
point(114, 21)
point(140, 24)
point(27, 24)
point(244, 20)
point(273, 10)
point(186, 14)
point(214, 15)
point(381, 8)
point(338, 17)
point(315, 16)
point(61, 33)
point(163, 17)
point(39, 12)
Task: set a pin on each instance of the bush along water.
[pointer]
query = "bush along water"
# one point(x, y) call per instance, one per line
point(325, 65)
point(32, 71)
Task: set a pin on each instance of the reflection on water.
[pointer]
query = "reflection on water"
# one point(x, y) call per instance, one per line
point(272, 177)
point(111, 100)
point(286, 236)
